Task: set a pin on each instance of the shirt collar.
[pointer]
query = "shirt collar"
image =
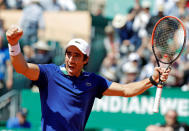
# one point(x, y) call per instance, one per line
point(64, 71)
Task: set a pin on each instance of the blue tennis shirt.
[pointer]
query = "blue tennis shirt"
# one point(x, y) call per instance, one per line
point(66, 101)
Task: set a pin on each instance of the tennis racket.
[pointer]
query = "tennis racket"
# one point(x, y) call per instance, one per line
point(168, 42)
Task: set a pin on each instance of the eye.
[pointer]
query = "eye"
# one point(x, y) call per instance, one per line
point(77, 55)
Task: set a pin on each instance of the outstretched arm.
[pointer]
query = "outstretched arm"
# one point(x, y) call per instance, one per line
point(136, 88)
point(31, 71)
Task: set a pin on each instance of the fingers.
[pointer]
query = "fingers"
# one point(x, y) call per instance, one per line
point(14, 30)
point(13, 34)
point(164, 77)
point(163, 72)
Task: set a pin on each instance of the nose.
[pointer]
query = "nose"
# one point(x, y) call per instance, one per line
point(71, 59)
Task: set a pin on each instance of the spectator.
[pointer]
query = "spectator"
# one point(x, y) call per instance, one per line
point(142, 19)
point(42, 54)
point(111, 44)
point(68, 5)
point(20, 121)
point(5, 69)
point(124, 27)
point(171, 123)
point(130, 70)
point(179, 9)
point(153, 20)
point(109, 66)
point(167, 4)
point(3, 4)
point(51, 5)
point(2, 27)
point(147, 69)
point(171, 120)
point(32, 22)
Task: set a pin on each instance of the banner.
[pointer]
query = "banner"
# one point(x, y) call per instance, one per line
point(135, 113)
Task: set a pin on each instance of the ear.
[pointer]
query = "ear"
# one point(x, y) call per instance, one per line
point(86, 60)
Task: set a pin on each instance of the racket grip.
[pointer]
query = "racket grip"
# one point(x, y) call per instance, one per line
point(157, 98)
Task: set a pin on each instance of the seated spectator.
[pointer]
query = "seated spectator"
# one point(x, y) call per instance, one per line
point(6, 70)
point(171, 123)
point(124, 27)
point(153, 20)
point(133, 58)
point(147, 69)
point(111, 44)
point(141, 20)
point(109, 66)
point(42, 54)
point(171, 120)
point(130, 70)
point(20, 121)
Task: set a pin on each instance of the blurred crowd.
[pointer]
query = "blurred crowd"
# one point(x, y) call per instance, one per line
point(127, 39)
point(128, 44)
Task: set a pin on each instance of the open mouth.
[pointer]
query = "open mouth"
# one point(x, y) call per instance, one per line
point(71, 67)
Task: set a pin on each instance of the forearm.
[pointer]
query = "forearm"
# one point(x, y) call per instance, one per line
point(19, 63)
point(128, 90)
point(136, 88)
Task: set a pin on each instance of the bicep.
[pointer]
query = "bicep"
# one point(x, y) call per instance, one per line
point(115, 89)
point(32, 71)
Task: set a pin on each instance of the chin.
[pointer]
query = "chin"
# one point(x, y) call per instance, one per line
point(71, 72)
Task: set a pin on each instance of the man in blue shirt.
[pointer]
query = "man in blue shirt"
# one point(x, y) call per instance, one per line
point(67, 92)
point(6, 70)
point(20, 121)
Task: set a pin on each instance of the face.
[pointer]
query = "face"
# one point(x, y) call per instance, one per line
point(74, 61)
point(21, 118)
point(171, 117)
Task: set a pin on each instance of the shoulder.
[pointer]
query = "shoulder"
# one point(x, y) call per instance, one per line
point(99, 79)
point(50, 68)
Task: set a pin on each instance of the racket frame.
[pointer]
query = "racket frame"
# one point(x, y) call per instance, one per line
point(161, 84)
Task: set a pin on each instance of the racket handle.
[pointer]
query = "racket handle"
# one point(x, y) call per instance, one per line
point(157, 98)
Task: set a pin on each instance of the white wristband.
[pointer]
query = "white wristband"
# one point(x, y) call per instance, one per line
point(14, 50)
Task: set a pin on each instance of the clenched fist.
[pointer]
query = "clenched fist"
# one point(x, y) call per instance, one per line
point(13, 34)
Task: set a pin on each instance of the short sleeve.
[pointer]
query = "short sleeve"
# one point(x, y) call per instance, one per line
point(46, 72)
point(102, 85)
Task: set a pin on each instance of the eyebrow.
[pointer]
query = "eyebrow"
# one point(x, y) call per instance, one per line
point(76, 53)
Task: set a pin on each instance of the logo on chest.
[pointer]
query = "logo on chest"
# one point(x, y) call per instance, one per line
point(88, 84)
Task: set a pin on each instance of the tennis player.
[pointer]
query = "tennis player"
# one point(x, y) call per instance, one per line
point(67, 92)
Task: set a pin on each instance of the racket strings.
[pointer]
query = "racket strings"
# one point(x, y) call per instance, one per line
point(168, 40)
